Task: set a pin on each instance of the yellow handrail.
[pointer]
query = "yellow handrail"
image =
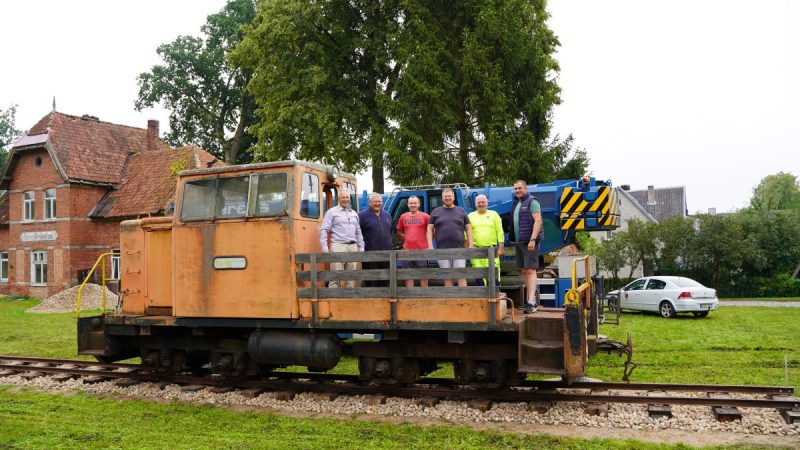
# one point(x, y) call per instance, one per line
point(100, 259)
point(573, 295)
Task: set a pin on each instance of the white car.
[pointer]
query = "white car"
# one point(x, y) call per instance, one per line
point(666, 296)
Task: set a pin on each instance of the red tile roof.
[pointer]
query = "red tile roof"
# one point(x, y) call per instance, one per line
point(91, 150)
point(150, 181)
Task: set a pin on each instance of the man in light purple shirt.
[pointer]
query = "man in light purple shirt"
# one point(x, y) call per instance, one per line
point(340, 225)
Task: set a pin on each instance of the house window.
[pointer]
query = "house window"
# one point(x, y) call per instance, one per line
point(115, 272)
point(39, 268)
point(50, 204)
point(3, 267)
point(27, 206)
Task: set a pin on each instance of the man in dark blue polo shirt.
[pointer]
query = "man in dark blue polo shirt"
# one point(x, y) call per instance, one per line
point(376, 228)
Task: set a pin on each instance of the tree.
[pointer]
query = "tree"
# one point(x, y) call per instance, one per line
point(778, 191)
point(8, 132)
point(206, 95)
point(675, 239)
point(323, 71)
point(719, 247)
point(434, 91)
point(641, 246)
point(612, 254)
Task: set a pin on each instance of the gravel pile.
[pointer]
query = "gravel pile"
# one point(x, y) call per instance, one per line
point(699, 419)
point(65, 300)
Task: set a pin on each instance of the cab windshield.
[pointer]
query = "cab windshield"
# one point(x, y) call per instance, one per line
point(257, 195)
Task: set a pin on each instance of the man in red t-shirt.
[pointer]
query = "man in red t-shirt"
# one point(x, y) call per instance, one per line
point(412, 229)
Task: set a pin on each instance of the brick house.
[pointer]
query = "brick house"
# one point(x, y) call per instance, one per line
point(68, 184)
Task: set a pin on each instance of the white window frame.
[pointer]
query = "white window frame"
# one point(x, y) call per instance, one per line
point(50, 204)
point(28, 206)
point(3, 267)
point(39, 261)
point(115, 265)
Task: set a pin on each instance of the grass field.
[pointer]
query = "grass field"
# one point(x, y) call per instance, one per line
point(762, 299)
point(742, 345)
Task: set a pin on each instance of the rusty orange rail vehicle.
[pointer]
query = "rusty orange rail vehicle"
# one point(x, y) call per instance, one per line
point(235, 283)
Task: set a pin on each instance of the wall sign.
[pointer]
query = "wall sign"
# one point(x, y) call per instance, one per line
point(35, 236)
point(230, 262)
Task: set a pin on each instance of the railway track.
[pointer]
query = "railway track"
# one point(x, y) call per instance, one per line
point(723, 399)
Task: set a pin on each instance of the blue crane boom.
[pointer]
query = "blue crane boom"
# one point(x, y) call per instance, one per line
point(568, 206)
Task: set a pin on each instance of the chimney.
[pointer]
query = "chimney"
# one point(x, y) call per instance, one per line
point(625, 187)
point(651, 195)
point(152, 135)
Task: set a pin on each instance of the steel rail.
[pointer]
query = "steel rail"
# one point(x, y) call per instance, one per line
point(350, 385)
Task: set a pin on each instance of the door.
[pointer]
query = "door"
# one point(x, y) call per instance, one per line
point(653, 294)
point(630, 297)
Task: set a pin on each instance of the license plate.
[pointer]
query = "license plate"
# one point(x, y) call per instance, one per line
point(705, 306)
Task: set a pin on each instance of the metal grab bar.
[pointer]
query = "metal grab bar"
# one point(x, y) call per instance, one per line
point(100, 259)
point(573, 295)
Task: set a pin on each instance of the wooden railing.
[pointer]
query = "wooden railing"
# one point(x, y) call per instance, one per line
point(395, 276)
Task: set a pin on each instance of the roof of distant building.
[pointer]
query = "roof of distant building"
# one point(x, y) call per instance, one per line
point(636, 204)
point(141, 178)
point(85, 149)
point(150, 182)
point(665, 203)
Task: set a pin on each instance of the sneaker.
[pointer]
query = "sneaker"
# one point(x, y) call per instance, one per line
point(530, 308)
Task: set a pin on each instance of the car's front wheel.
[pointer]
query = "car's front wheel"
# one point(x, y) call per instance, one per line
point(701, 314)
point(666, 309)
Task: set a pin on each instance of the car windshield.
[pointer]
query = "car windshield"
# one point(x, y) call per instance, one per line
point(686, 282)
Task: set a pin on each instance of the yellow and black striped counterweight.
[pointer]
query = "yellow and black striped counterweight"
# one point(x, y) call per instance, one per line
point(593, 210)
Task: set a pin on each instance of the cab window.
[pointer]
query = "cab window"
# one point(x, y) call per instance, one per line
point(309, 196)
point(656, 284)
point(198, 199)
point(231, 199)
point(270, 194)
point(353, 197)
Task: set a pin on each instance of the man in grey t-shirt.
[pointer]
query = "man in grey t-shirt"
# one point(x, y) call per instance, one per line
point(448, 224)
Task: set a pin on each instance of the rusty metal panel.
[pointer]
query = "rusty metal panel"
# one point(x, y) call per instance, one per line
point(575, 348)
point(158, 256)
point(264, 287)
point(132, 277)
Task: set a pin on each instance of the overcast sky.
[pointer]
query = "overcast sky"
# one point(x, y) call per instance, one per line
point(702, 94)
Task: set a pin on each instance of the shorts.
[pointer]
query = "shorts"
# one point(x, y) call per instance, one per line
point(421, 264)
point(452, 263)
point(526, 259)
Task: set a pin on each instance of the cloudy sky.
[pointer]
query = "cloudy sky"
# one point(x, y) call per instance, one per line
point(701, 94)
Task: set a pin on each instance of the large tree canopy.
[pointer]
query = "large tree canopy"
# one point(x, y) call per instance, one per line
point(436, 91)
point(205, 94)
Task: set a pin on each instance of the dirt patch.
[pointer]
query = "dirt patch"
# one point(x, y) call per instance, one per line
point(66, 300)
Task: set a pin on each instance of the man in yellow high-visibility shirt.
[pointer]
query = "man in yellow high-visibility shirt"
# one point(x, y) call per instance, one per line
point(487, 231)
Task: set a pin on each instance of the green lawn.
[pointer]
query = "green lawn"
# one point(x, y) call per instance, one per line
point(742, 345)
point(762, 299)
point(734, 345)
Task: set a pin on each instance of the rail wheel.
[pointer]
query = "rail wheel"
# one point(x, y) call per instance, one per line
point(486, 374)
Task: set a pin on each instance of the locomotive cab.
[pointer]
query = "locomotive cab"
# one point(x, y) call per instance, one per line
point(229, 249)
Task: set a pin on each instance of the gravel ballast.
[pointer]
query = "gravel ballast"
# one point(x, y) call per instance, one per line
point(697, 419)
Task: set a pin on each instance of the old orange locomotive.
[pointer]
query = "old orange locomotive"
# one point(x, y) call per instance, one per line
point(234, 283)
